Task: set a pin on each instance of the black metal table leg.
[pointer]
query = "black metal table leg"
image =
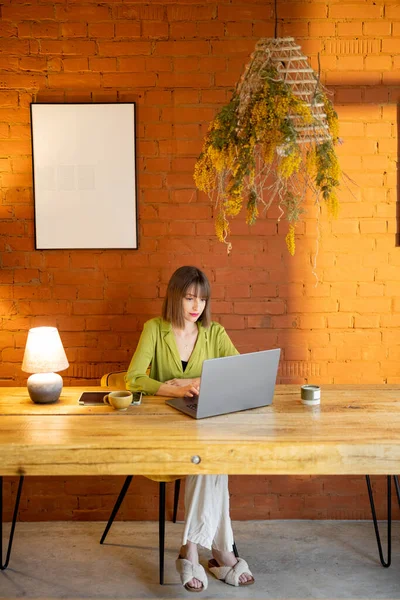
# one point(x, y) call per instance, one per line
point(396, 483)
point(176, 499)
point(161, 530)
point(118, 503)
point(389, 521)
point(4, 565)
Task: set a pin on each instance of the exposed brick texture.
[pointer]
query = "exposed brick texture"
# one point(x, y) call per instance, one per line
point(179, 60)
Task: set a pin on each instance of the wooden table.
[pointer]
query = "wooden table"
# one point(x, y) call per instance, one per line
point(355, 430)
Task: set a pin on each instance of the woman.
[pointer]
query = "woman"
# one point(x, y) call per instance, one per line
point(175, 345)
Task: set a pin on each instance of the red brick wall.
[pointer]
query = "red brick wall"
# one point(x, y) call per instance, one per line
point(261, 497)
point(179, 61)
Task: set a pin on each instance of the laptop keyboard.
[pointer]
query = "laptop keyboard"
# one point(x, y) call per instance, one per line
point(192, 406)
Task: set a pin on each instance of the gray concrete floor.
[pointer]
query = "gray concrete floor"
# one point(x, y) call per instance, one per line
point(289, 559)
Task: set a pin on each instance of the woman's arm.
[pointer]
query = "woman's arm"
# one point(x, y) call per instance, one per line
point(195, 381)
point(178, 391)
point(136, 378)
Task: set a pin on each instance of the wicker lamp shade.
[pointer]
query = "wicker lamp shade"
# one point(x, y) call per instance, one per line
point(285, 55)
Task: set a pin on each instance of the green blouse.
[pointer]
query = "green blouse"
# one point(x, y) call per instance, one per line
point(157, 347)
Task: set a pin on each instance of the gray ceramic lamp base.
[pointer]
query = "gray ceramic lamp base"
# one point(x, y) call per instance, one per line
point(44, 388)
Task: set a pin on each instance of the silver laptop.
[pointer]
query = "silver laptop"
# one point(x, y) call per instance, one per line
point(233, 383)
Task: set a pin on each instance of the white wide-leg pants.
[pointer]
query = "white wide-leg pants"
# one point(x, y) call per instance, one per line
point(207, 512)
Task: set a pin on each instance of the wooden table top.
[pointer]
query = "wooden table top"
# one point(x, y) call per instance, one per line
point(355, 430)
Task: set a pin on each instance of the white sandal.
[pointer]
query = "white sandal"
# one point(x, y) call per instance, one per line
point(188, 571)
point(230, 575)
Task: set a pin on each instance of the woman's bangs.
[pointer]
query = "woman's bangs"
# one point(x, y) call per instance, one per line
point(200, 289)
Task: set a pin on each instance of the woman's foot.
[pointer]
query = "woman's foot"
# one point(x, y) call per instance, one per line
point(190, 553)
point(228, 559)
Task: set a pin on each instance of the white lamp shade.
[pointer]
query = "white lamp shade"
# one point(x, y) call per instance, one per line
point(44, 352)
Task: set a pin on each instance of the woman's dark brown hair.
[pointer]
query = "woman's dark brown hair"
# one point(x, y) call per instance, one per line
point(183, 279)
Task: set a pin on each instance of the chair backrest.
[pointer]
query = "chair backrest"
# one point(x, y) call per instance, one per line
point(114, 379)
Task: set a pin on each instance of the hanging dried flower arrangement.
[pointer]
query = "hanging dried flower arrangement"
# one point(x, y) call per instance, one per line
point(273, 142)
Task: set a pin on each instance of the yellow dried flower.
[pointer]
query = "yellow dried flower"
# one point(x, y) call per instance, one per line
point(204, 174)
point(252, 212)
point(259, 117)
point(252, 174)
point(217, 158)
point(233, 201)
point(268, 151)
point(290, 163)
point(311, 162)
point(290, 241)
point(332, 119)
point(300, 108)
point(327, 164)
point(221, 159)
point(334, 170)
point(280, 107)
point(332, 205)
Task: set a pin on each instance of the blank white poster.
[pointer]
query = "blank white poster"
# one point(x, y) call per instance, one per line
point(84, 174)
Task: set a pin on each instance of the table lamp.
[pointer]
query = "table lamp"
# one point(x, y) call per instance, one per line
point(44, 353)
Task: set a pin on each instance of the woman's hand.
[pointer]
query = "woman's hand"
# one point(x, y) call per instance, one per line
point(185, 382)
point(190, 391)
point(173, 390)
